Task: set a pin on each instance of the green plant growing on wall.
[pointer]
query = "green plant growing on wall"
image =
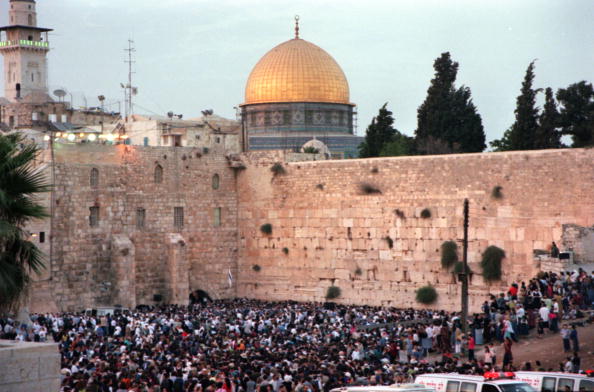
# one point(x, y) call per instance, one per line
point(497, 193)
point(266, 228)
point(286, 251)
point(426, 295)
point(374, 170)
point(459, 268)
point(333, 292)
point(491, 263)
point(390, 242)
point(320, 187)
point(278, 169)
point(426, 213)
point(256, 268)
point(449, 254)
point(311, 150)
point(358, 271)
point(368, 189)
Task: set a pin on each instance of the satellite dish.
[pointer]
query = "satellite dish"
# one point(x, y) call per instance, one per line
point(170, 114)
point(60, 93)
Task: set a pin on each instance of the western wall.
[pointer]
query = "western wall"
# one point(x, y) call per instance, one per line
point(335, 233)
point(325, 229)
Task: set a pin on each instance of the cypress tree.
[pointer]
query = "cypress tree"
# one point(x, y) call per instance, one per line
point(576, 116)
point(547, 135)
point(447, 121)
point(379, 133)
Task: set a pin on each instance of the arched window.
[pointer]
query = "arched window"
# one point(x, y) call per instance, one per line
point(215, 181)
point(94, 179)
point(30, 20)
point(158, 174)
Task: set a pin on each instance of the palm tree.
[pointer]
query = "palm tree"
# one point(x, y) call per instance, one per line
point(20, 182)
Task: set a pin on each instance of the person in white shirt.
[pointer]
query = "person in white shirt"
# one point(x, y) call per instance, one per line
point(544, 315)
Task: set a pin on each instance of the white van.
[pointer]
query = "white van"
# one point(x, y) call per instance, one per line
point(491, 382)
point(557, 382)
point(391, 388)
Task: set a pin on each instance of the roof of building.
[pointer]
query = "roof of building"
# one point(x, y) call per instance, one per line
point(13, 27)
point(297, 71)
point(23, 1)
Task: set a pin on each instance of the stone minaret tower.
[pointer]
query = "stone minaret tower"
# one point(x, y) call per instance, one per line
point(24, 47)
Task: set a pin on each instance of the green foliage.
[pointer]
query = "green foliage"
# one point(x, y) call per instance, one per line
point(205, 150)
point(491, 263)
point(266, 228)
point(522, 134)
point(576, 116)
point(378, 134)
point(399, 145)
point(311, 150)
point(333, 292)
point(286, 251)
point(278, 169)
point(399, 213)
point(374, 170)
point(320, 187)
point(368, 189)
point(448, 119)
point(426, 213)
point(390, 242)
point(426, 295)
point(497, 193)
point(547, 135)
point(256, 268)
point(459, 268)
point(358, 271)
point(449, 254)
point(20, 185)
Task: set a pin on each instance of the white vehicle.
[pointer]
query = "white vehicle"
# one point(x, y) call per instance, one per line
point(490, 382)
point(391, 388)
point(557, 382)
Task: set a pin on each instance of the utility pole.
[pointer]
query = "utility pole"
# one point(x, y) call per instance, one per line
point(128, 88)
point(464, 275)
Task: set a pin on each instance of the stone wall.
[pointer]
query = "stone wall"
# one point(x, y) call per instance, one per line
point(117, 262)
point(29, 367)
point(335, 233)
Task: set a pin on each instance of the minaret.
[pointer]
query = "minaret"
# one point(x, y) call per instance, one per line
point(24, 47)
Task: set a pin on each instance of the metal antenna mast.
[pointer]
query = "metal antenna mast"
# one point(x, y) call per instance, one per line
point(129, 89)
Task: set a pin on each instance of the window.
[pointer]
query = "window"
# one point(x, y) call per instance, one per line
point(565, 384)
point(586, 386)
point(32, 77)
point(178, 217)
point(452, 386)
point(145, 141)
point(218, 139)
point(158, 174)
point(30, 20)
point(489, 388)
point(468, 387)
point(94, 216)
point(94, 180)
point(177, 141)
point(11, 121)
point(41, 237)
point(140, 217)
point(217, 216)
point(548, 384)
point(215, 181)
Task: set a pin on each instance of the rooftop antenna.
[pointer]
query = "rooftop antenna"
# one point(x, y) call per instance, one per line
point(129, 89)
point(296, 26)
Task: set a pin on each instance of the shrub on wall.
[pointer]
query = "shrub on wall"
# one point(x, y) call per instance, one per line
point(266, 228)
point(320, 187)
point(426, 213)
point(358, 271)
point(368, 189)
point(426, 295)
point(374, 170)
point(491, 263)
point(399, 213)
point(497, 193)
point(459, 268)
point(286, 251)
point(256, 267)
point(311, 150)
point(277, 169)
point(449, 254)
point(333, 292)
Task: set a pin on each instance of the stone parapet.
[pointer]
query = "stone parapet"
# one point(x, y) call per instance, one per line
point(29, 367)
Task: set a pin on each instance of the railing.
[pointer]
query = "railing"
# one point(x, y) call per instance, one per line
point(25, 42)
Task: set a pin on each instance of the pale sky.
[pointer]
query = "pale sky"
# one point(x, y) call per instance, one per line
point(193, 55)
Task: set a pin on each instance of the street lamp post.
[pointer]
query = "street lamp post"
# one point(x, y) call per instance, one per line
point(464, 275)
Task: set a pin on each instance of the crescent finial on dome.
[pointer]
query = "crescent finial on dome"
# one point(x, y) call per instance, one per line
point(296, 26)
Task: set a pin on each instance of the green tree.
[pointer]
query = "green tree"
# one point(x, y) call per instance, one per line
point(379, 133)
point(400, 145)
point(447, 121)
point(576, 116)
point(547, 135)
point(20, 183)
point(522, 134)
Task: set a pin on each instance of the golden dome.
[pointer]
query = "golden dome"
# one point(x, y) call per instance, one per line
point(297, 71)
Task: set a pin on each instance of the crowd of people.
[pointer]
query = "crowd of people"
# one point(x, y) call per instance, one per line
point(251, 346)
